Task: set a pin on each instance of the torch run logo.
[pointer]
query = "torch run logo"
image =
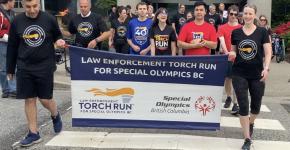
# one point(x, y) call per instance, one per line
point(204, 104)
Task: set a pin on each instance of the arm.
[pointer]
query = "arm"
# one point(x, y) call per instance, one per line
point(111, 38)
point(174, 28)
point(223, 45)
point(267, 60)
point(210, 44)
point(146, 50)
point(194, 44)
point(105, 33)
point(152, 47)
point(12, 51)
point(173, 48)
point(133, 46)
point(232, 53)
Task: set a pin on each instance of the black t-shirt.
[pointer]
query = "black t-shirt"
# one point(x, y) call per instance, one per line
point(86, 28)
point(163, 39)
point(179, 20)
point(31, 43)
point(120, 31)
point(213, 19)
point(250, 52)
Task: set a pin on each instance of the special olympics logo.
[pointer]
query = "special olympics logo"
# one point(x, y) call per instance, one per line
point(85, 29)
point(34, 35)
point(248, 49)
point(204, 104)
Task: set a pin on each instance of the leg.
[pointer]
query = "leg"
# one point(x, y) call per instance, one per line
point(31, 114)
point(256, 89)
point(241, 89)
point(50, 105)
point(45, 93)
point(4, 84)
point(228, 86)
point(12, 85)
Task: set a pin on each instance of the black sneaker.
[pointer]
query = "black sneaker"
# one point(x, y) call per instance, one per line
point(30, 139)
point(247, 144)
point(5, 95)
point(235, 109)
point(251, 129)
point(57, 123)
point(228, 102)
point(12, 94)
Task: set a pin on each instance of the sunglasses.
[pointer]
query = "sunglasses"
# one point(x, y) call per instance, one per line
point(234, 14)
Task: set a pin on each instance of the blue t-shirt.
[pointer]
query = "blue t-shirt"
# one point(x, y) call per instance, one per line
point(138, 32)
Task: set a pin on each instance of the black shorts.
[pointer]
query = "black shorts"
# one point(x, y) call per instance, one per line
point(34, 84)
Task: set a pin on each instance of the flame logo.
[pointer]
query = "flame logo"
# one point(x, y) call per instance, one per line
point(112, 92)
point(246, 49)
point(32, 36)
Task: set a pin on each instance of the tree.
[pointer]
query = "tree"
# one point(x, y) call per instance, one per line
point(280, 12)
point(104, 4)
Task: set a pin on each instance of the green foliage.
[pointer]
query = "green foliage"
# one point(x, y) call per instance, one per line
point(280, 12)
point(104, 4)
point(102, 7)
point(287, 39)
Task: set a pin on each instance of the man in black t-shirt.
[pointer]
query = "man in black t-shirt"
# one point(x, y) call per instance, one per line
point(90, 29)
point(179, 19)
point(212, 17)
point(31, 48)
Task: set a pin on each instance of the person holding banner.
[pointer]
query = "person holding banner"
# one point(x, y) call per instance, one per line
point(138, 31)
point(224, 34)
point(162, 35)
point(89, 28)
point(118, 29)
point(31, 48)
point(198, 37)
point(251, 50)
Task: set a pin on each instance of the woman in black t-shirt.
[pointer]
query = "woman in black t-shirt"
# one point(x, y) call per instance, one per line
point(119, 29)
point(162, 35)
point(251, 50)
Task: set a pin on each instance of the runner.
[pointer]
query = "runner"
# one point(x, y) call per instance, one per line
point(251, 50)
point(31, 48)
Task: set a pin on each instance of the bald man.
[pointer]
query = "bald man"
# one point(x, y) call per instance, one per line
point(89, 28)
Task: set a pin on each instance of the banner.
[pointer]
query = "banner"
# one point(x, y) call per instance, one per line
point(117, 90)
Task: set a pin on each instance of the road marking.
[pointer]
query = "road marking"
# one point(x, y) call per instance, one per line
point(264, 108)
point(268, 124)
point(155, 141)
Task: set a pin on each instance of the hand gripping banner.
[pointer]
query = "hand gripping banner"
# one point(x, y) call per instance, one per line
point(126, 91)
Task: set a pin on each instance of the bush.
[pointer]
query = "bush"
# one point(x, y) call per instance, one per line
point(286, 37)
